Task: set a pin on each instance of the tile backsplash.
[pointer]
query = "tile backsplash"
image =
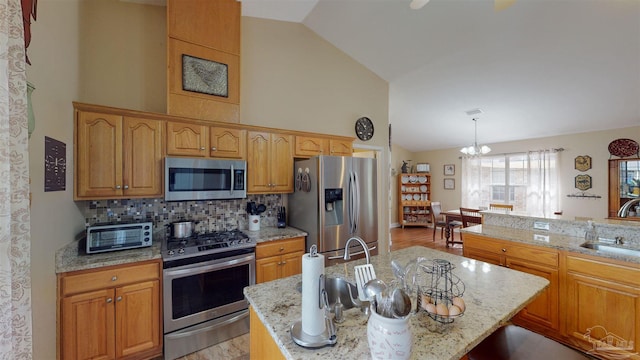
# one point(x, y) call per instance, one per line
point(212, 215)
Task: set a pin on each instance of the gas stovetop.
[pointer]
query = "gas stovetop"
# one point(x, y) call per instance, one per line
point(204, 244)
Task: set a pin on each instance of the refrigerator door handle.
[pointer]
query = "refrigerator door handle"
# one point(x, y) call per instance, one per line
point(351, 204)
point(356, 203)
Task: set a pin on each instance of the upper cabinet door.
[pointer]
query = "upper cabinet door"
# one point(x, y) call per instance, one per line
point(340, 147)
point(228, 143)
point(307, 146)
point(281, 165)
point(187, 139)
point(143, 145)
point(98, 165)
point(258, 163)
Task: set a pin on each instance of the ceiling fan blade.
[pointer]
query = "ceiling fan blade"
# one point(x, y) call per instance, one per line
point(502, 4)
point(418, 4)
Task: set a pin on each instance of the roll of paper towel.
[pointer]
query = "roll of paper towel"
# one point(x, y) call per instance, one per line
point(313, 322)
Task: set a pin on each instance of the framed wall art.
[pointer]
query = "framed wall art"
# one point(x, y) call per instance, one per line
point(205, 76)
point(583, 182)
point(449, 184)
point(582, 163)
point(449, 169)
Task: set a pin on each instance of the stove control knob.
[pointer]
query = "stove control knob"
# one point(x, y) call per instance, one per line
point(181, 251)
point(171, 252)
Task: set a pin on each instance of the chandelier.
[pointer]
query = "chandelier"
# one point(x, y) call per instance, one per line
point(475, 149)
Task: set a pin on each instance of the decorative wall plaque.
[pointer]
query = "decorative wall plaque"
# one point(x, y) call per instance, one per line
point(583, 182)
point(55, 164)
point(583, 163)
point(205, 76)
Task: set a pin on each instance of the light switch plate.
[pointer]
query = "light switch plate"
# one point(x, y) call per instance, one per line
point(538, 237)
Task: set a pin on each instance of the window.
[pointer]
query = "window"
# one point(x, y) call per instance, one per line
point(525, 180)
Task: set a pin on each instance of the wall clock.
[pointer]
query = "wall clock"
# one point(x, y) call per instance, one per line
point(583, 163)
point(364, 128)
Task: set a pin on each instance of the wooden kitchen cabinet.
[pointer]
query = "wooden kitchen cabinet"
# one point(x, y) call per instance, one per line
point(308, 146)
point(542, 314)
point(117, 156)
point(197, 140)
point(111, 313)
point(269, 162)
point(279, 259)
point(602, 295)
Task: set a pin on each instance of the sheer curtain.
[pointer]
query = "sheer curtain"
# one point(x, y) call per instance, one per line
point(529, 181)
point(15, 281)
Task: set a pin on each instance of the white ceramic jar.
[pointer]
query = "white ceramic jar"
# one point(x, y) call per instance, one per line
point(389, 338)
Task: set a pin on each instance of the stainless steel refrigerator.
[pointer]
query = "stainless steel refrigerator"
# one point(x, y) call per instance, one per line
point(335, 198)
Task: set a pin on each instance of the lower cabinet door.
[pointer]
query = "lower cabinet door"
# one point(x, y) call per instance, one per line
point(138, 318)
point(268, 269)
point(292, 264)
point(88, 326)
point(544, 309)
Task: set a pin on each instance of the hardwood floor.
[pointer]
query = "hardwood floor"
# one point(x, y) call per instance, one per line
point(238, 348)
point(421, 236)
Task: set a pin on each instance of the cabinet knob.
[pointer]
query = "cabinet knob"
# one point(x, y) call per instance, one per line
point(504, 250)
point(114, 278)
point(126, 187)
point(109, 300)
point(281, 249)
point(119, 298)
point(202, 148)
point(118, 186)
point(284, 262)
point(279, 262)
point(213, 148)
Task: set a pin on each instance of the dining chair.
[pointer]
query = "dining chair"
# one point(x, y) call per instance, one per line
point(500, 207)
point(439, 220)
point(470, 217)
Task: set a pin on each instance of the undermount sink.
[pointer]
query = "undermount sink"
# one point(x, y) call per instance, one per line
point(611, 249)
point(338, 287)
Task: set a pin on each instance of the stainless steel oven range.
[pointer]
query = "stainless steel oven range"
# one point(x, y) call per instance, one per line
point(203, 281)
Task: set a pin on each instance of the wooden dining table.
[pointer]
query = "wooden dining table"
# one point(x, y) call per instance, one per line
point(449, 216)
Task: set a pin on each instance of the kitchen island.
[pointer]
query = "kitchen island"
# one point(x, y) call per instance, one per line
point(493, 295)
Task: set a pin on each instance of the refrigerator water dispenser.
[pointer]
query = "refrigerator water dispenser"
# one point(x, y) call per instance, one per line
point(333, 207)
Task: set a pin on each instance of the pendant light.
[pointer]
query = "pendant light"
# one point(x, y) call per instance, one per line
point(475, 149)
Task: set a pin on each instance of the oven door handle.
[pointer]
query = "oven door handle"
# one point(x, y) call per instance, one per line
point(181, 334)
point(198, 268)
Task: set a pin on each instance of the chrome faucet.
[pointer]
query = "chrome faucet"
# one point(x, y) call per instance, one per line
point(362, 243)
point(624, 209)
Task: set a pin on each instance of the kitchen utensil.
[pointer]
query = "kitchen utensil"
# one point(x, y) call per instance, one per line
point(363, 273)
point(260, 209)
point(374, 287)
point(401, 303)
point(182, 229)
point(398, 271)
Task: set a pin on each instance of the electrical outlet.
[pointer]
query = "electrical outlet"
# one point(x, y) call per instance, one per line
point(538, 237)
point(541, 225)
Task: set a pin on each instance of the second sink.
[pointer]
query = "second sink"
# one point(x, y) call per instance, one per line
point(611, 249)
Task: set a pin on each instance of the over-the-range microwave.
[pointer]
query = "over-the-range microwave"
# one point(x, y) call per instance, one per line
point(204, 179)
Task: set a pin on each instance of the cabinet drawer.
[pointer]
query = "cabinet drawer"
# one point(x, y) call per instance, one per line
point(279, 247)
point(536, 254)
point(100, 279)
point(603, 270)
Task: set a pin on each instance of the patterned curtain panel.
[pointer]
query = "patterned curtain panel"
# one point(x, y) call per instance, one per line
point(15, 281)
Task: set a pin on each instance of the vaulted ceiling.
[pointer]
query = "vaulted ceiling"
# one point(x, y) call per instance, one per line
point(538, 68)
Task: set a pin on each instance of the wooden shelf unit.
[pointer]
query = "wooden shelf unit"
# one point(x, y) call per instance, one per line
point(414, 194)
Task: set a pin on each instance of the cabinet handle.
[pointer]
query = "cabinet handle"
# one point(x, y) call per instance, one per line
point(114, 278)
point(118, 186)
point(284, 262)
point(202, 148)
point(213, 148)
point(126, 187)
point(504, 250)
point(119, 298)
point(279, 262)
point(109, 300)
point(281, 249)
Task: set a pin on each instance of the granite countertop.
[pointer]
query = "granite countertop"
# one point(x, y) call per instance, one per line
point(72, 258)
point(493, 295)
point(274, 233)
point(547, 239)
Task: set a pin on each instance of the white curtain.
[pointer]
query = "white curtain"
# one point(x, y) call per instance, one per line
point(542, 190)
point(529, 181)
point(15, 281)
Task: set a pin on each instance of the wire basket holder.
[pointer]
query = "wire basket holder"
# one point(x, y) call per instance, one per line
point(440, 286)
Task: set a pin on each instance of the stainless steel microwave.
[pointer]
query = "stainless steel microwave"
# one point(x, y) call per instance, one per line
point(111, 237)
point(204, 179)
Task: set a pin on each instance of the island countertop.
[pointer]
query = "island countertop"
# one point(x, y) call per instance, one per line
point(493, 295)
